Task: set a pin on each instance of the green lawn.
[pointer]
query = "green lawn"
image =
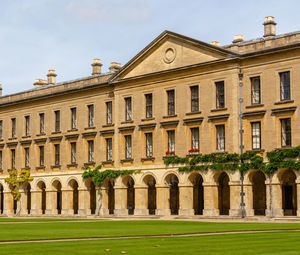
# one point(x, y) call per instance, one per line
point(52, 230)
point(287, 243)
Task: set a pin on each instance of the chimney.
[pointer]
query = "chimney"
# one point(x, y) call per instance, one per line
point(269, 26)
point(51, 76)
point(40, 83)
point(96, 66)
point(114, 67)
point(0, 89)
point(238, 38)
point(215, 43)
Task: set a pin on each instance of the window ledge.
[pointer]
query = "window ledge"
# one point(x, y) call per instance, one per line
point(56, 132)
point(72, 130)
point(147, 119)
point(108, 125)
point(26, 136)
point(55, 166)
point(72, 165)
point(284, 148)
point(170, 116)
point(88, 128)
point(220, 152)
point(192, 154)
point(91, 163)
point(284, 102)
point(126, 160)
point(169, 156)
point(10, 169)
point(192, 113)
point(127, 121)
point(148, 159)
point(12, 138)
point(219, 109)
point(256, 150)
point(40, 168)
point(26, 168)
point(108, 162)
point(41, 134)
point(254, 105)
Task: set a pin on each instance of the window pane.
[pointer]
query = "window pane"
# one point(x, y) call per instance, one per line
point(220, 137)
point(42, 120)
point(149, 144)
point(171, 141)
point(73, 153)
point(91, 115)
point(255, 86)
point(73, 118)
point(149, 106)
point(26, 157)
point(256, 135)
point(128, 146)
point(195, 98)
point(285, 85)
point(91, 151)
point(286, 138)
point(195, 138)
point(109, 149)
point(128, 109)
point(57, 121)
point(171, 102)
point(109, 112)
point(220, 94)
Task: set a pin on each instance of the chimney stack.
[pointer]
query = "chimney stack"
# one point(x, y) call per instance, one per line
point(40, 83)
point(114, 67)
point(96, 66)
point(51, 76)
point(238, 38)
point(269, 26)
point(215, 43)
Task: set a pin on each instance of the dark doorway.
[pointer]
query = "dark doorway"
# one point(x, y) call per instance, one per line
point(74, 186)
point(57, 186)
point(1, 200)
point(111, 196)
point(198, 197)
point(130, 196)
point(224, 194)
point(289, 193)
point(174, 194)
point(259, 193)
point(28, 195)
point(92, 197)
point(150, 181)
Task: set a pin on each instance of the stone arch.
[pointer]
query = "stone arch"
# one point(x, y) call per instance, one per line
point(109, 185)
point(91, 187)
point(289, 192)
point(150, 181)
point(129, 183)
point(172, 180)
point(168, 173)
point(223, 193)
point(258, 181)
point(73, 184)
point(56, 186)
point(196, 180)
point(70, 180)
point(41, 187)
point(1, 198)
point(27, 193)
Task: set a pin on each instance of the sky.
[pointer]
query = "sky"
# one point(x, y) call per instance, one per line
point(66, 35)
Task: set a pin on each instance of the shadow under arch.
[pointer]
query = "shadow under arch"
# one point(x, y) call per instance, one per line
point(198, 193)
point(75, 195)
point(224, 194)
point(289, 193)
point(128, 181)
point(172, 180)
point(41, 187)
point(150, 181)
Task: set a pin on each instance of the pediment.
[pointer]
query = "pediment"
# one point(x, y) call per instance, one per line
point(170, 51)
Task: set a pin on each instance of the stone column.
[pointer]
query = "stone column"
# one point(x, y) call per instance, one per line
point(51, 202)
point(275, 198)
point(83, 202)
point(235, 198)
point(67, 202)
point(163, 200)
point(23, 204)
point(211, 207)
point(104, 203)
point(120, 201)
point(248, 199)
point(141, 200)
point(186, 200)
point(298, 197)
point(36, 203)
point(8, 203)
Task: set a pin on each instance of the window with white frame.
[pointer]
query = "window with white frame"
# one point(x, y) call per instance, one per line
point(13, 127)
point(148, 105)
point(285, 89)
point(109, 149)
point(255, 90)
point(57, 121)
point(195, 138)
point(171, 141)
point(73, 153)
point(171, 102)
point(57, 154)
point(27, 125)
point(73, 118)
point(286, 134)
point(91, 151)
point(256, 135)
point(128, 148)
point(128, 109)
point(13, 158)
point(195, 98)
point(220, 95)
point(109, 113)
point(91, 115)
point(220, 129)
point(42, 123)
point(149, 152)
point(42, 155)
point(26, 149)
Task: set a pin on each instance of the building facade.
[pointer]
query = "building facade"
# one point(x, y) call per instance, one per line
point(178, 96)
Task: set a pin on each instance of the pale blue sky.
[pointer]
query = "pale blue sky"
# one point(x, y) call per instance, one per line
point(37, 35)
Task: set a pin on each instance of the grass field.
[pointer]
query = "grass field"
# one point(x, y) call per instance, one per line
point(248, 243)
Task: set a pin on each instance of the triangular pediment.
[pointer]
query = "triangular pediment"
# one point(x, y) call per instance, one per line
point(171, 51)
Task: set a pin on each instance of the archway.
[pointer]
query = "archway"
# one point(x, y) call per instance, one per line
point(42, 188)
point(1, 199)
point(111, 196)
point(57, 187)
point(150, 182)
point(172, 181)
point(224, 194)
point(289, 193)
point(198, 195)
point(259, 193)
point(74, 185)
point(27, 191)
point(130, 195)
point(92, 197)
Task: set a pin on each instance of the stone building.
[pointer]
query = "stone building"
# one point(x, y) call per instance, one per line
point(176, 94)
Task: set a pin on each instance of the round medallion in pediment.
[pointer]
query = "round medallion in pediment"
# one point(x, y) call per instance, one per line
point(169, 55)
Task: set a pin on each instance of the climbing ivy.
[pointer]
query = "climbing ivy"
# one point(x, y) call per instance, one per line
point(279, 158)
point(98, 176)
point(15, 180)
